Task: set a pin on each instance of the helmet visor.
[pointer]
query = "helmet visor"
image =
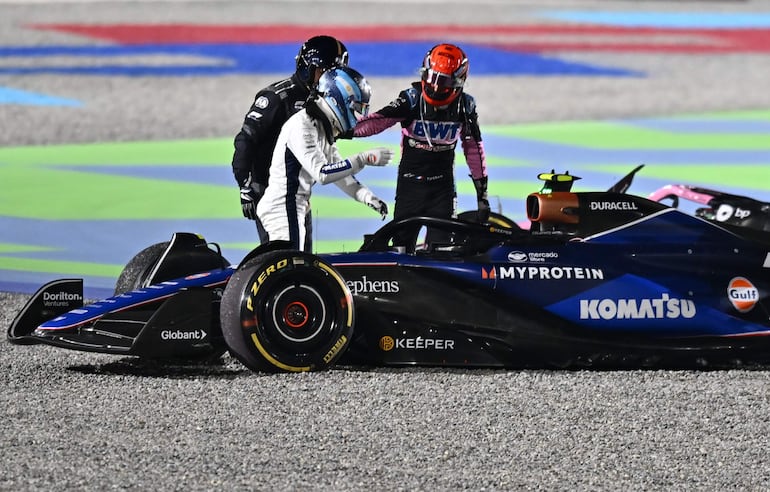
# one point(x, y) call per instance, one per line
point(360, 109)
point(440, 82)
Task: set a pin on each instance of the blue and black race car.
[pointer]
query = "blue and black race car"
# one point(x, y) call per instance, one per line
point(600, 279)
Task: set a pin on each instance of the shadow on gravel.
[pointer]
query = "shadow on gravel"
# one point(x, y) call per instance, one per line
point(221, 369)
point(483, 371)
point(144, 368)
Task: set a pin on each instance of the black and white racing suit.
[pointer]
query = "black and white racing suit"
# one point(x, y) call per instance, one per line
point(305, 153)
point(426, 184)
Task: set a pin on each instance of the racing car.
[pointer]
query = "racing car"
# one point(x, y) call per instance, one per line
point(598, 279)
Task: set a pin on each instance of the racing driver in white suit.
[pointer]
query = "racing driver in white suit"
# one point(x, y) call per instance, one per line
point(306, 153)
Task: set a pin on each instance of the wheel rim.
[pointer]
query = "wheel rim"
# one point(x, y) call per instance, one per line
point(297, 313)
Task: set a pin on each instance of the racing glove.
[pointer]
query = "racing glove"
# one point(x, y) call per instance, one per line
point(378, 205)
point(379, 156)
point(482, 201)
point(251, 193)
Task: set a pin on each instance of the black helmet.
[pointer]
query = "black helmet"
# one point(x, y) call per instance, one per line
point(323, 52)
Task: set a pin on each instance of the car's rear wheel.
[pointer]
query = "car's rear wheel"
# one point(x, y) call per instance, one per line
point(287, 311)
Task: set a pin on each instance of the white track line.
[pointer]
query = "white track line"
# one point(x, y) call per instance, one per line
point(391, 2)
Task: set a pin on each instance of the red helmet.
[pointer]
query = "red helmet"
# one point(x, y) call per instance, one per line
point(443, 74)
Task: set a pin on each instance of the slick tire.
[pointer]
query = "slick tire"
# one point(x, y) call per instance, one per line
point(137, 270)
point(287, 311)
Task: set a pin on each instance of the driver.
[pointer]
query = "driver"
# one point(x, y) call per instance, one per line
point(271, 108)
point(306, 153)
point(435, 113)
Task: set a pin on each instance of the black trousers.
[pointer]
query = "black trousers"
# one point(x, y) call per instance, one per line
point(432, 199)
point(417, 198)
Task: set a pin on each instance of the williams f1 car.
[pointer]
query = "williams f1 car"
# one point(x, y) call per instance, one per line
point(600, 279)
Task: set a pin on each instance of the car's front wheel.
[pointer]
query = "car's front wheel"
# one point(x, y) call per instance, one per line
point(287, 311)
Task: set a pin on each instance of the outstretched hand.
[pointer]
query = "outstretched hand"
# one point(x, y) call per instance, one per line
point(378, 205)
point(380, 156)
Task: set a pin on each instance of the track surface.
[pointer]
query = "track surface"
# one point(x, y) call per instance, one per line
point(75, 421)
